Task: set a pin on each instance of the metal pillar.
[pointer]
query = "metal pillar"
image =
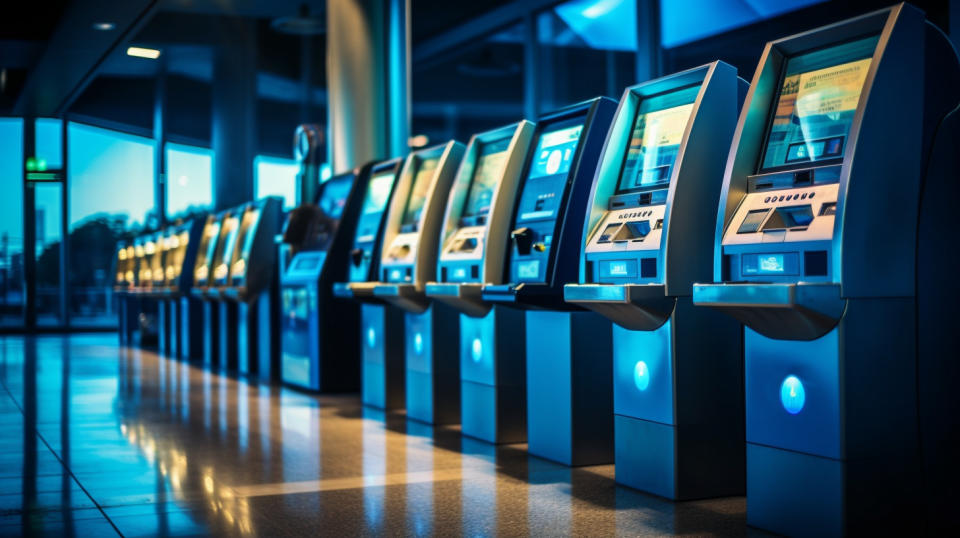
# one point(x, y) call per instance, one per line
point(368, 78)
point(648, 59)
point(234, 133)
point(159, 143)
point(29, 227)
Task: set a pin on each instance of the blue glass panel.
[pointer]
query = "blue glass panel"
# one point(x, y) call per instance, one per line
point(275, 177)
point(189, 179)
point(683, 21)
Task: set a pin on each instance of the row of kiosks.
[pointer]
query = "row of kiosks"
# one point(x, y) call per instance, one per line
point(235, 281)
point(677, 389)
point(829, 247)
point(171, 283)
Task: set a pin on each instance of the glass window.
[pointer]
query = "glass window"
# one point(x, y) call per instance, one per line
point(49, 137)
point(49, 198)
point(273, 176)
point(189, 180)
point(683, 21)
point(11, 222)
point(586, 49)
point(111, 180)
point(469, 91)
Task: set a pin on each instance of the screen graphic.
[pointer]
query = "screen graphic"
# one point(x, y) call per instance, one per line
point(488, 170)
point(418, 192)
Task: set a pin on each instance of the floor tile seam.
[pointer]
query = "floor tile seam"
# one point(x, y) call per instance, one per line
point(59, 459)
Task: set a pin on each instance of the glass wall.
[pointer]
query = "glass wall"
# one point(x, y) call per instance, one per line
point(11, 222)
point(189, 180)
point(110, 176)
point(49, 137)
point(48, 198)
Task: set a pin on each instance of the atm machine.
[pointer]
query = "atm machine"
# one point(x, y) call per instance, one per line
point(150, 252)
point(408, 260)
point(215, 234)
point(245, 281)
point(319, 346)
point(493, 381)
point(381, 325)
point(677, 400)
point(181, 251)
point(472, 247)
point(832, 193)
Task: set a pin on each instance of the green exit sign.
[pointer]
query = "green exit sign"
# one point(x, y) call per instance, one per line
point(36, 164)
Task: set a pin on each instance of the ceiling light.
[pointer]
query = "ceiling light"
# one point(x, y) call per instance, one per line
point(104, 26)
point(140, 52)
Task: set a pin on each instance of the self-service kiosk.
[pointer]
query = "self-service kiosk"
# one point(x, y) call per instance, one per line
point(492, 354)
point(408, 260)
point(245, 283)
point(381, 326)
point(181, 244)
point(206, 340)
point(677, 399)
point(473, 243)
point(319, 343)
point(835, 184)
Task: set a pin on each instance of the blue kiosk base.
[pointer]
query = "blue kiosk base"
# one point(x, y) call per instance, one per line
point(382, 337)
point(570, 387)
point(678, 405)
point(493, 369)
point(433, 365)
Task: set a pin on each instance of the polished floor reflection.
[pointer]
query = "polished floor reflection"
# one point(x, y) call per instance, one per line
point(99, 440)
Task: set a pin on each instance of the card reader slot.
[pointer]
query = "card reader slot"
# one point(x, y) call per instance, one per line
point(789, 218)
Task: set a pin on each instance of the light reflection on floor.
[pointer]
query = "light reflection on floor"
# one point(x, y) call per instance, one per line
point(99, 440)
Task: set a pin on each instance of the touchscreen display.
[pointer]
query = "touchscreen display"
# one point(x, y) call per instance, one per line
point(555, 150)
point(418, 191)
point(485, 175)
point(374, 201)
point(547, 177)
point(334, 197)
point(816, 104)
point(655, 139)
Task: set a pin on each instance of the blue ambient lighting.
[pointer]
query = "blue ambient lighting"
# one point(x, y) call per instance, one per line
point(792, 395)
point(371, 337)
point(476, 350)
point(641, 375)
point(418, 343)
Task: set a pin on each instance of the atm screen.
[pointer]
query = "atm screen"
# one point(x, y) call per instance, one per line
point(485, 174)
point(547, 178)
point(374, 201)
point(655, 139)
point(209, 243)
point(227, 239)
point(816, 104)
point(251, 219)
point(334, 197)
point(418, 191)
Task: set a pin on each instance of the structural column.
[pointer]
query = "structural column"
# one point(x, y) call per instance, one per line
point(368, 79)
point(234, 132)
point(648, 40)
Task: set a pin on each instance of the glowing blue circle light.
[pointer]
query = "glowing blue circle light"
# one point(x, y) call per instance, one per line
point(641, 375)
point(792, 394)
point(476, 350)
point(371, 337)
point(418, 343)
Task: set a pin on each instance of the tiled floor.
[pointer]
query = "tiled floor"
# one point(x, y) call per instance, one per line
point(98, 440)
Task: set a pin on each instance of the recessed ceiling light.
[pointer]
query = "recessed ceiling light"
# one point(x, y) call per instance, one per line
point(141, 52)
point(104, 26)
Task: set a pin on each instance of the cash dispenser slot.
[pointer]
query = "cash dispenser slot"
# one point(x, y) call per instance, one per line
point(637, 307)
point(467, 297)
point(796, 311)
point(404, 296)
point(795, 217)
